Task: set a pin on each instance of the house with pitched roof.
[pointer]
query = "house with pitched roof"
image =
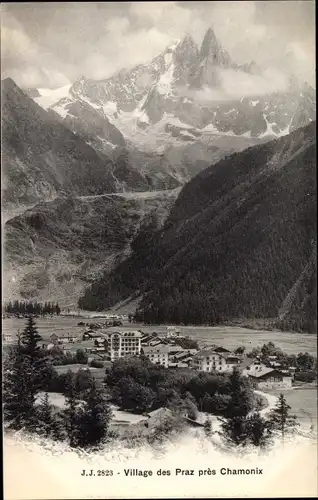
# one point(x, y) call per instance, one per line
point(269, 378)
point(158, 355)
point(216, 359)
point(63, 339)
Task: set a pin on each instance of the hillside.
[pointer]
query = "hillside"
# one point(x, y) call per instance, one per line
point(57, 248)
point(238, 238)
point(41, 158)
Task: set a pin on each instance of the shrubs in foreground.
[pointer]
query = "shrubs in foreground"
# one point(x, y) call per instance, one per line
point(83, 422)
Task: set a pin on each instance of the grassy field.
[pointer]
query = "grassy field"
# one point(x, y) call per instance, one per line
point(227, 336)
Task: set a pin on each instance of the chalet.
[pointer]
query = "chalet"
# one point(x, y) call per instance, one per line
point(163, 414)
point(88, 334)
point(208, 360)
point(157, 355)
point(181, 358)
point(232, 361)
point(156, 341)
point(173, 349)
point(270, 378)
point(220, 349)
point(63, 339)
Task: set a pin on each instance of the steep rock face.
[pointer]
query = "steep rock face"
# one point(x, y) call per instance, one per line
point(42, 158)
point(90, 123)
point(185, 60)
point(211, 57)
point(177, 83)
point(177, 100)
point(57, 248)
point(238, 238)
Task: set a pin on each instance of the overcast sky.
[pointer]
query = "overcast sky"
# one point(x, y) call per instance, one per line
point(52, 44)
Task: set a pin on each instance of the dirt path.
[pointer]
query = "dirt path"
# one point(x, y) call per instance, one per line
point(271, 400)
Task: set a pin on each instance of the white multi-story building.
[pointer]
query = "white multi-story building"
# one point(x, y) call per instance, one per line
point(122, 344)
point(210, 360)
point(158, 355)
point(207, 361)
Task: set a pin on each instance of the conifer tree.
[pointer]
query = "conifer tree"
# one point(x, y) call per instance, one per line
point(18, 389)
point(236, 410)
point(281, 419)
point(95, 415)
point(258, 430)
point(30, 339)
point(71, 413)
point(240, 396)
point(48, 422)
point(45, 416)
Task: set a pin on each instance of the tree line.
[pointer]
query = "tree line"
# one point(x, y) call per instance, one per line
point(18, 307)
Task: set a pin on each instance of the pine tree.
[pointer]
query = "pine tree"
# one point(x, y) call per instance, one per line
point(236, 410)
point(258, 430)
point(95, 416)
point(9, 308)
point(280, 418)
point(234, 430)
point(45, 416)
point(48, 423)
point(30, 339)
point(71, 413)
point(18, 389)
point(240, 396)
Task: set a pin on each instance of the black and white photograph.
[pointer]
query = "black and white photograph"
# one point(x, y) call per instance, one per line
point(159, 249)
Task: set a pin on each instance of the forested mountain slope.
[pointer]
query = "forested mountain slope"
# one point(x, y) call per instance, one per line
point(238, 238)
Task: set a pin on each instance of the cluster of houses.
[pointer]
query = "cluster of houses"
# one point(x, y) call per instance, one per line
point(110, 344)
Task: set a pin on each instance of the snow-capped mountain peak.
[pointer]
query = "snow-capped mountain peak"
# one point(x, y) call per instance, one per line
point(178, 83)
point(48, 97)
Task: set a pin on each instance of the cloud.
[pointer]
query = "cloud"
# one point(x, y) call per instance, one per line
point(51, 43)
point(238, 83)
point(25, 61)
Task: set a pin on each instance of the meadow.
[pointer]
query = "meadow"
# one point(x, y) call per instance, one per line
point(226, 336)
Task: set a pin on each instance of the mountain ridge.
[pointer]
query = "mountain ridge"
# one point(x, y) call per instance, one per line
point(230, 252)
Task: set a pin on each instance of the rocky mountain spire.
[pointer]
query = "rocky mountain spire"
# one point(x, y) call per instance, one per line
point(211, 49)
point(185, 59)
point(210, 59)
